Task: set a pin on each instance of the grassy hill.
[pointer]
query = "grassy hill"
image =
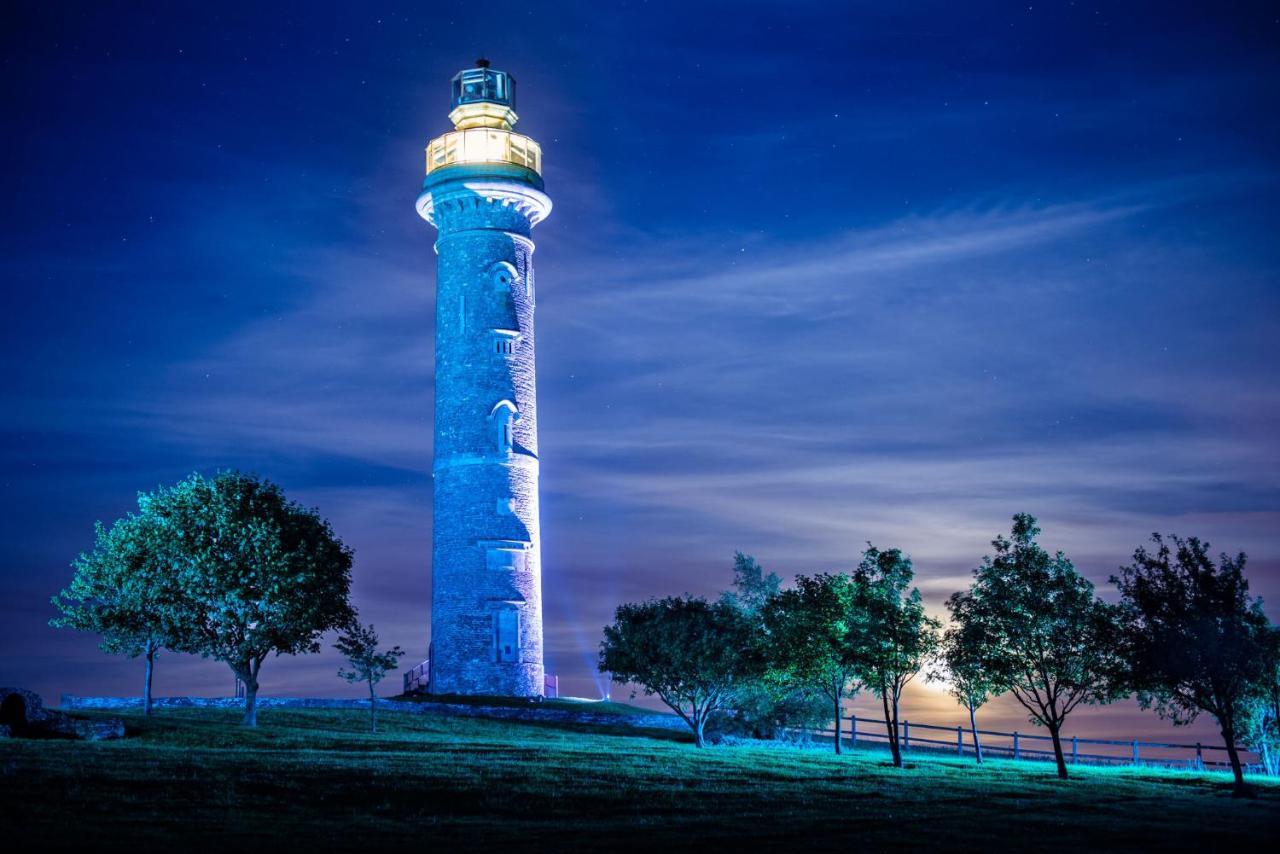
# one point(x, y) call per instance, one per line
point(318, 779)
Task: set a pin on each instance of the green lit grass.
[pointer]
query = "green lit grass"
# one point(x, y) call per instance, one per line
point(317, 779)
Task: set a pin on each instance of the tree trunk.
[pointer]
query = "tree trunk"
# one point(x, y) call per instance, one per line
point(1055, 732)
point(699, 722)
point(373, 710)
point(891, 724)
point(146, 688)
point(973, 728)
point(250, 700)
point(1239, 788)
point(839, 746)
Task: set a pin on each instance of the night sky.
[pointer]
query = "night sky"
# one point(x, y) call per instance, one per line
point(817, 274)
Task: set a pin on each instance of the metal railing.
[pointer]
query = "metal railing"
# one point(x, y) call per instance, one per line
point(1013, 746)
point(416, 678)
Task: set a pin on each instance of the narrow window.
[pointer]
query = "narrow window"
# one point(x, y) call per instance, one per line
point(504, 416)
point(507, 634)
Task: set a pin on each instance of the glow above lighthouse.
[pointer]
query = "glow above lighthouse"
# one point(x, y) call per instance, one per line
point(483, 193)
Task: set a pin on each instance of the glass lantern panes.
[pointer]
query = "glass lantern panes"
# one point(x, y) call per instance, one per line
point(483, 84)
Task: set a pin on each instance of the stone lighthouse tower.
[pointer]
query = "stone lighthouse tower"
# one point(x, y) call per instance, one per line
point(483, 193)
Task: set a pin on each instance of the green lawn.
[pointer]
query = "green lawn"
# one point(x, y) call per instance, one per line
point(317, 779)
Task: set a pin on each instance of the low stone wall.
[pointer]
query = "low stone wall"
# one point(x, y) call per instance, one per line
point(23, 715)
point(522, 713)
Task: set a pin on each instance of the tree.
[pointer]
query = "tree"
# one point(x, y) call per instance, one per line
point(691, 653)
point(772, 701)
point(1262, 729)
point(899, 638)
point(752, 586)
point(815, 635)
point(359, 643)
point(123, 591)
point(1194, 639)
point(258, 573)
point(1043, 632)
point(968, 676)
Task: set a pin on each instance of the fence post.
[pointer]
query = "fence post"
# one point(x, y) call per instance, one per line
point(1199, 757)
point(1017, 752)
point(959, 741)
point(853, 730)
point(1075, 749)
point(906, 735)
point(1135, 751)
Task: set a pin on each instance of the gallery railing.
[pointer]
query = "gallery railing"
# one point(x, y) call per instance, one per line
point(483, 145)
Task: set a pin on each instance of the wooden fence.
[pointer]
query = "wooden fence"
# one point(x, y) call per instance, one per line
point(1021, 745)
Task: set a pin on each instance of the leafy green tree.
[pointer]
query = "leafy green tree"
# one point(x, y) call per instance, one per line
point(816, 636)
point(1044, 633)
point(258, 574)
point(1194, 639)
point(123, 590)
point(968, 676)
point(367, 664)
point(772, 702)
point(691, 653)
point(899, 638)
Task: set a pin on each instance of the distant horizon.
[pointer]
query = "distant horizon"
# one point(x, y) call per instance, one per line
point(817, 274)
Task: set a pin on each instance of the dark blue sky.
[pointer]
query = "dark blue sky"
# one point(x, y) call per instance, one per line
point(817, 274)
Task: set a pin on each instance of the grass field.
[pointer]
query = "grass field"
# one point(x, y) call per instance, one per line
point(193, 780)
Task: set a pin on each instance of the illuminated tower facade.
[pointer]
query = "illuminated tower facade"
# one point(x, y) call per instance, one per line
point(483, 193)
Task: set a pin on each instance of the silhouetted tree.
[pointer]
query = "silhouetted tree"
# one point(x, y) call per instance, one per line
point(816, 635)
point(1043, 631)
point(968, 676)
point(1194, 639)
point(359, 645)
point(690, 653)
point(899, 638)
point(258, 574)
point(124, 591)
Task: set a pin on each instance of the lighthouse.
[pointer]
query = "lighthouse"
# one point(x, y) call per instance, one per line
point(483, 193)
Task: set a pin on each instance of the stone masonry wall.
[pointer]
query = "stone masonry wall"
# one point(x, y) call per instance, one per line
point(486, 554)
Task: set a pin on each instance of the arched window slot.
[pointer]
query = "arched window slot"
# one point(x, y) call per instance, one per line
point(502, 274)
point(504, 416)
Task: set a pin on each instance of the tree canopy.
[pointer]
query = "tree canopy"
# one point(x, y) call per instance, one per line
point(1194, 639)
point(1044, 633)
point(259, 574)
point(899, 637)
point(816, 636)
point(690, 653)
point(125, 591)
point(968, 675)
point(366, 663)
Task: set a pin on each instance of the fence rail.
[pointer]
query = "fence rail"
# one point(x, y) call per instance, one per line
point(875, 731)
